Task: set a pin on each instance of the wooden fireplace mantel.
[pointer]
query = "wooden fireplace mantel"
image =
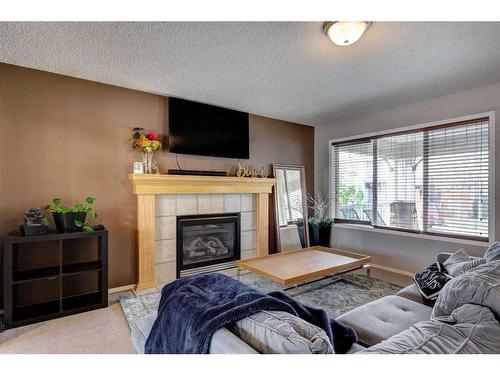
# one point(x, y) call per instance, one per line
point(173, 184)
point(146, 186)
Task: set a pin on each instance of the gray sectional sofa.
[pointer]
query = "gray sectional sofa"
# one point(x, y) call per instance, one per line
point(465, 319)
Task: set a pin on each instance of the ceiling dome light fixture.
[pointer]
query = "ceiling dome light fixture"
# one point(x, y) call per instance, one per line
point(344, 33)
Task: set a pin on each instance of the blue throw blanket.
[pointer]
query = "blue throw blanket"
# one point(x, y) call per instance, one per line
point(192, 309)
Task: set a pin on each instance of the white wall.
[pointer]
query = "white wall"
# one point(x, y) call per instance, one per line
point(396, 250)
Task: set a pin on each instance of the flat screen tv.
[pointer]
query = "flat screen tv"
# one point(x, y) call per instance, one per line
point(202, 129)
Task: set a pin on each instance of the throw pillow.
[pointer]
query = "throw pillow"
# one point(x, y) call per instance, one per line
point(460, 262)
point(470, 329)
point(430, 281)
point(493, 252)
point(481, 286)
point(278, 332)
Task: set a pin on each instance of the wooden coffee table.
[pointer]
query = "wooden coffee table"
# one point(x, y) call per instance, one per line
point(304, 266)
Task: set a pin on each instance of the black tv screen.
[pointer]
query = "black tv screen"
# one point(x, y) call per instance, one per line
point(202, 129)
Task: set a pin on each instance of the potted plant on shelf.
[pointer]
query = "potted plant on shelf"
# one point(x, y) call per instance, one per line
point(74, 219)
point(320, 226)
point(35, 222)
point(148, 144)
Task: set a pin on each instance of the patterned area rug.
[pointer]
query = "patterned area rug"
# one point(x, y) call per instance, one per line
point(336, 297)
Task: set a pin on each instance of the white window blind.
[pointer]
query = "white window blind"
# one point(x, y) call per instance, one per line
point(433, 180)
point(399, 181)
point(353, 179)
point(289, 195)
point(458, 180)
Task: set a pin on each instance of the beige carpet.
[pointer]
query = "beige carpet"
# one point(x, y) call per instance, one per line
point(93, 332)
point(100, 331)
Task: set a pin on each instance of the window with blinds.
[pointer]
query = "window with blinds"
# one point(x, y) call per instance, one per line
point(289, 192)
point(433, 180)
point(353, 184)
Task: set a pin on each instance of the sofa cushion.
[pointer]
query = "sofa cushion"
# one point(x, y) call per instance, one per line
point(493, 252)
point(411, 292)
point(481, 286)
point(278, 332)
point(223, 341)
point(383, 318)
point(441, 257)
point(460, 262)
point(469, 329)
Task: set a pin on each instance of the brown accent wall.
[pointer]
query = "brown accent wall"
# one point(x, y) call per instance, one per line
point(66, 137)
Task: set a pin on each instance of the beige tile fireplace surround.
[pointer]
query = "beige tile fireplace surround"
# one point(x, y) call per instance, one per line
point(160, 198)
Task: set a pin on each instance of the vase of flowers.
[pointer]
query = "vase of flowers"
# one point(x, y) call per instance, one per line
point(148, 143)
point(147, 161)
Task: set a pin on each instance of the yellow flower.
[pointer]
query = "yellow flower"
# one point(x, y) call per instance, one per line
point(155, 145)
point(143, 142)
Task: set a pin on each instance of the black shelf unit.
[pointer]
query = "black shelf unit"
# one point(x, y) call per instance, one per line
point(57, 276)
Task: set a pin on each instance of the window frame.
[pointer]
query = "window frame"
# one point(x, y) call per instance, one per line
point(490, 116)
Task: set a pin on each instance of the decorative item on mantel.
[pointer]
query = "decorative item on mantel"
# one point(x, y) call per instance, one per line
point(138, 167)
point(246, 170)
point(148, 144)
point(35, 222)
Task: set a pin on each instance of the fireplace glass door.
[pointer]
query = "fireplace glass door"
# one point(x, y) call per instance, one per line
point(204, 240)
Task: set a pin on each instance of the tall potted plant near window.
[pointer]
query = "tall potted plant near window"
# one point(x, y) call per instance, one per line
point(320, 225)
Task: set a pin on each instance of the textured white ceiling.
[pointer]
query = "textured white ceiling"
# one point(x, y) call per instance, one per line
point(285, 70)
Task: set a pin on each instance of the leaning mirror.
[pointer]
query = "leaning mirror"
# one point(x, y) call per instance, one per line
point(291, 207)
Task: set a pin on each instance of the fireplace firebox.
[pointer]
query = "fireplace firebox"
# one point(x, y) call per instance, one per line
point(207, 243)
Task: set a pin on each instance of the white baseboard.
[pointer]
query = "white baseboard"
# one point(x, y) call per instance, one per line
point(121, 289)
point(393, 270)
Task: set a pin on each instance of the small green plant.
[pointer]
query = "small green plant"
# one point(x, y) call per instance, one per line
point(321, 223)
point(35, 216)
point(90, 223)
